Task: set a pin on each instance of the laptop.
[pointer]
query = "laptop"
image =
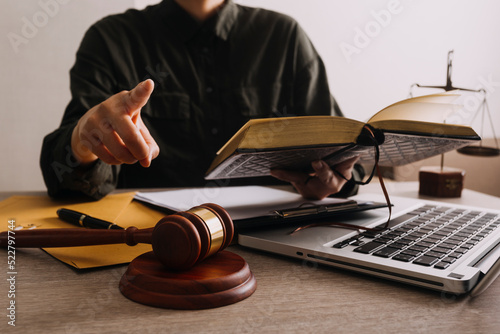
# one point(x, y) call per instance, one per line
point(435, 245)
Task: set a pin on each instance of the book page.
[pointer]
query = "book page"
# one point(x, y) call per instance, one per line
point(259, 163)
point(402, 149)
point(430, 108)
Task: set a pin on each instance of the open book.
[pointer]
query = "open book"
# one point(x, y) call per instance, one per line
point(405, 132)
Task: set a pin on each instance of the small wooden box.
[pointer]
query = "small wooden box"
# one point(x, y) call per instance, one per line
point(441, 182)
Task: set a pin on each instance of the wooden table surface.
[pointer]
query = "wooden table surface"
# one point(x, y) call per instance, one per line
point(291, 296)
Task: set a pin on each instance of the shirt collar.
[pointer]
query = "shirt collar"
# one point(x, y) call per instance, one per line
point(186, 27)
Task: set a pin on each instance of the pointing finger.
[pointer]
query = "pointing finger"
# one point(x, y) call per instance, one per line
point(128, 128)
point(136, 98)
point(154, 149)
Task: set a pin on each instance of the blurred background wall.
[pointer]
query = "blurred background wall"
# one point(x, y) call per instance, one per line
point(374, 50)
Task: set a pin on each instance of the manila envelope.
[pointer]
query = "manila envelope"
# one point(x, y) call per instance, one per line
point(121, 209)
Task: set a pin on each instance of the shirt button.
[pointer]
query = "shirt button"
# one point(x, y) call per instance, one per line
point(209, 89)
point(215, 131)
point(205, 50)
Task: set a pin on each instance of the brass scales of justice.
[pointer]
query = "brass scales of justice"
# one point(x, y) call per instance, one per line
point(448, 182)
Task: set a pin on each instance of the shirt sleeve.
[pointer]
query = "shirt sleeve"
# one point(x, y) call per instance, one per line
point(312, 94)
point(91, 83)
point(311, 90)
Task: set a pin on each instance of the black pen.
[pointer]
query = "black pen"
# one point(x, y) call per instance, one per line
point(81, 219)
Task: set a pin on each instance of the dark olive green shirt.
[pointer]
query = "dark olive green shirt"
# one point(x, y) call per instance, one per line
point(210, 79)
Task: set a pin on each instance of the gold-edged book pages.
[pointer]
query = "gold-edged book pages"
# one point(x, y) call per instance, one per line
point(406, 131)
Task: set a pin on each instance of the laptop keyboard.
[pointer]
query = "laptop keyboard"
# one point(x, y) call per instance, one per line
point(430, 236)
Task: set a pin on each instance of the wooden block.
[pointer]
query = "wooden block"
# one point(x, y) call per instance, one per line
point(222, 279)
point(441, 182)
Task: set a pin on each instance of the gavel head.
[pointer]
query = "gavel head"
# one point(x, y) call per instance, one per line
point(184, 238)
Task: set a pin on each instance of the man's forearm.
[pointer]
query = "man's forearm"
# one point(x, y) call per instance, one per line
point(64, 174)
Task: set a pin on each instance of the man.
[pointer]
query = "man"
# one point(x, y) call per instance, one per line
point(205, 67)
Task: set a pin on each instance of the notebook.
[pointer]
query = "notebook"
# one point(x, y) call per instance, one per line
point(255, 206)
point(435, 245)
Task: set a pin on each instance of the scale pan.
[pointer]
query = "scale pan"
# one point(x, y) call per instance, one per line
point(480, 151)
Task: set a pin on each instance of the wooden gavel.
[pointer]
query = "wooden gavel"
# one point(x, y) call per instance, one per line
point(179, 240)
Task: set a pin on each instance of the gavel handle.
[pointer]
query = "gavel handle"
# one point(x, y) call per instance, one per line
point(69, 237)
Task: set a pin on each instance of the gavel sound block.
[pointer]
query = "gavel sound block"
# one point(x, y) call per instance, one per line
point(187, 269)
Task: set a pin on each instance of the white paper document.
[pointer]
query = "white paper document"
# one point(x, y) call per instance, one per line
point(240, 202)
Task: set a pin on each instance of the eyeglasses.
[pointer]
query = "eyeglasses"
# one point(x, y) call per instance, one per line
point(368, 134)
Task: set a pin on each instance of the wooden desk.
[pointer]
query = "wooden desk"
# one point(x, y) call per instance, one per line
point(291, 296)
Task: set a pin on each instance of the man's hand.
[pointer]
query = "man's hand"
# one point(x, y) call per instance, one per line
point(114, 132)
point(322, 182)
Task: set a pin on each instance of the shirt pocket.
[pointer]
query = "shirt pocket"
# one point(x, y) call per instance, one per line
point(168, 105)
point(169, 119)
point(258, 102)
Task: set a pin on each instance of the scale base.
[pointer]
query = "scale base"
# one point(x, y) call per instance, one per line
point(441, 182)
